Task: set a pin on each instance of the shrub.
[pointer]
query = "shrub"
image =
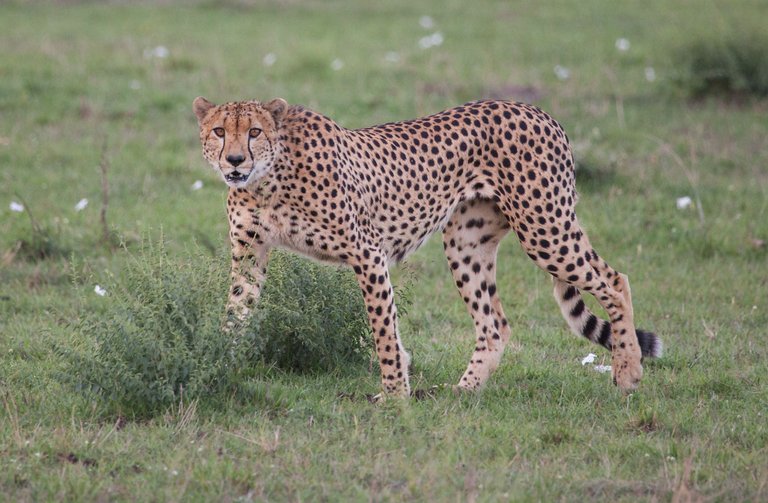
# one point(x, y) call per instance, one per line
point(158, 338)
point(734, 66)
point(310, 317)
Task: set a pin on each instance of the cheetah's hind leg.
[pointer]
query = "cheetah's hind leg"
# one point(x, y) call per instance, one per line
point(471, 239)
point(575, 262)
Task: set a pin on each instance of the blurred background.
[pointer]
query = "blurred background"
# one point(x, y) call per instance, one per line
point(82, 83)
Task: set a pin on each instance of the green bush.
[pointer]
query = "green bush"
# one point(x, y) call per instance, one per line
point(735, 66)
point(158, 338)
point(310, 317)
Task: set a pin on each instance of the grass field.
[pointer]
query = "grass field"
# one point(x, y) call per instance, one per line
point(85, 86)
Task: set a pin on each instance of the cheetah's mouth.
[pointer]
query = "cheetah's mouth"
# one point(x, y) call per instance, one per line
point(236, 178)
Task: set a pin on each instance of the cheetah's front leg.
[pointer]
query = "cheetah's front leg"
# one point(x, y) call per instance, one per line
point(249, 267)
point(373, 278)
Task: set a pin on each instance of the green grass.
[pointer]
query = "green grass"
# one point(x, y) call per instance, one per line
point(74, 77)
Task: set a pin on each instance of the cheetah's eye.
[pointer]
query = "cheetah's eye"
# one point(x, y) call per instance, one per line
point(219, 131)
point(254, 132)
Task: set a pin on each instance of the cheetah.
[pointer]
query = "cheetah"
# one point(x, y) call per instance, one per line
point(367, 198)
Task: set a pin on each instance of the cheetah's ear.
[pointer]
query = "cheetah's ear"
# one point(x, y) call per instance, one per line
point(201, 107)
point(277, 108)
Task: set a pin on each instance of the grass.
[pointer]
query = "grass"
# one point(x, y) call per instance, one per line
point(74, 78)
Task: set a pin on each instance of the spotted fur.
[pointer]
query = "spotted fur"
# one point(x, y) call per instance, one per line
point(369, 197)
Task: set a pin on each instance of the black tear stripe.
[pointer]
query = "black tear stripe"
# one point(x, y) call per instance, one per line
point(223, 144)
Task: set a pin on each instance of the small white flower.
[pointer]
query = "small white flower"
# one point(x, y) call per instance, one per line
point(426, 22)
point(562, 72)
point(174, 472)
point(337, 65)
point(683, 202)
point(650, 74)
point(17, 207)
point(431, 40)
point(392, 57)
point(100, 291)
point(588, 359)
point(160, 51)
point(81, 204)
point(135, 85)
point(603, 368)
point(197, 185)
point(622, 44)
point(269, 59)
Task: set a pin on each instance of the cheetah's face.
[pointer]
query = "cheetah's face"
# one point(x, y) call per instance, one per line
point(240, 139)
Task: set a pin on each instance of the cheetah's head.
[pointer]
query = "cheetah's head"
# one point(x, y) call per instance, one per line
point(240, 139)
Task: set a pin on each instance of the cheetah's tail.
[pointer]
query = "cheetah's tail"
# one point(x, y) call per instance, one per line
point(583, 322)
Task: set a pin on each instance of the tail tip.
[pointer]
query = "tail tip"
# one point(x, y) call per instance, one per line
point(650, 344)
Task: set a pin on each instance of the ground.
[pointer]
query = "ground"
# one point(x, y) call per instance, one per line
point(82, 76)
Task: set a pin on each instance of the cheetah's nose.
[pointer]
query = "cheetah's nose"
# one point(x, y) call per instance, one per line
point(235, 160)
